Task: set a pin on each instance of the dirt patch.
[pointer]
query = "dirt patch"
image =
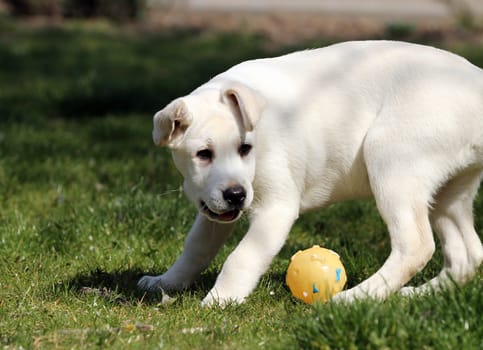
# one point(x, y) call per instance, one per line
point(292, 28)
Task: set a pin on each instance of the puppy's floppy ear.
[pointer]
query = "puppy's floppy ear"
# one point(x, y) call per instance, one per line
point(247, 103)
point(170, 123)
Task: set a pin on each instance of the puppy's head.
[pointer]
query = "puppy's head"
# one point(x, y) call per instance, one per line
point(211, 136)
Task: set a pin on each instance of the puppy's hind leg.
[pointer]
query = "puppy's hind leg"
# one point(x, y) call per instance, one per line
point(405, 212)
point(452, 219)
point(402, 188)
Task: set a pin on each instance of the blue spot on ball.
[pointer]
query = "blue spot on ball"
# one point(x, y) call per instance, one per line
point(338, 271)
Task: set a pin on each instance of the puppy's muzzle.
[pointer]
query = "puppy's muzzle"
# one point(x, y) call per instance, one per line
point(235, 197)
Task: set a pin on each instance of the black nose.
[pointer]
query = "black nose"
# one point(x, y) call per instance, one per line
point(235, 196)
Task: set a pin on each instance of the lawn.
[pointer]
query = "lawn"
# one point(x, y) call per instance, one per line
point(88, 205)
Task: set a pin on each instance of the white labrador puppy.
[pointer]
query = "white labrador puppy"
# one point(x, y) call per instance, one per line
point(277, 137)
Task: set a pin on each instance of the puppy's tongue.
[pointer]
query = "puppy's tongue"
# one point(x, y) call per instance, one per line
point(222, 217)
point(228, 216)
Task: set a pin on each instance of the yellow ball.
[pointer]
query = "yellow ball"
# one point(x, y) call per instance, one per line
point(315, 274)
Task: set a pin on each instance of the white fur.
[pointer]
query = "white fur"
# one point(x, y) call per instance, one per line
point(400, 122)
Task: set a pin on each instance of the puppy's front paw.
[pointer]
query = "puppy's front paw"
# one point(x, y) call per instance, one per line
point(151, 283)
point(214, 298)
point(155, 284)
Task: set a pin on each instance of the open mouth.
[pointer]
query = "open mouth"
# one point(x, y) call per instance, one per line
point(226, 217)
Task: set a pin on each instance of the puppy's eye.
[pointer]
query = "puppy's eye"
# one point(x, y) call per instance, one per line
point(244, 149)
point(205, 154)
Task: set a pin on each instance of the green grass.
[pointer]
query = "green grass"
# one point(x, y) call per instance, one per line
point(86, 200)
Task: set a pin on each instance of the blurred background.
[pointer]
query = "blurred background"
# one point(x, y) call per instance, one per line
point(67, 58)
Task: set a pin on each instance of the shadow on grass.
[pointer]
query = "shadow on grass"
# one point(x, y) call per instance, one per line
point(120, 287)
